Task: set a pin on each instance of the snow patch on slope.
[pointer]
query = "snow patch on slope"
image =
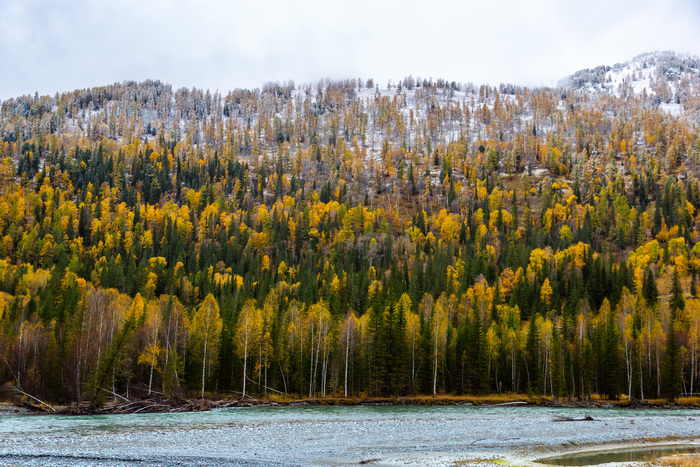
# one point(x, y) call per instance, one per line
point(659, 75)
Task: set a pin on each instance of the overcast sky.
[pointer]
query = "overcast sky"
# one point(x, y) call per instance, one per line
point(54, 45)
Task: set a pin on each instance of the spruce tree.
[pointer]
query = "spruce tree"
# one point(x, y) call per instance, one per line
point(671, 379)
point(557, 370)
point(649, 290)
point(475, 354)
point(611, 364)
point(397, 350)
point(532, 360)
point(677, 301)
point(656, 225)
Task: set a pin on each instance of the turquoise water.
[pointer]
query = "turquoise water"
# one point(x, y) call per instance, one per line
point(620, 455)
point(311, 435)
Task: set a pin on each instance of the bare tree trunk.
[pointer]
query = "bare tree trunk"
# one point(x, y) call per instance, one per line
point(245, 360)
point(177, 377)
point(266, 349)
point(512, 367)
point(413, 363)
point(641, 374)
point(658, 371)
point(347, 354)
point(204, 361)
point(260, 360)
point(436, 359)
point(301, 359)
point(324, 373)
point(311, 369)
point(692, 368)
point(153, 360)
point(318, 354)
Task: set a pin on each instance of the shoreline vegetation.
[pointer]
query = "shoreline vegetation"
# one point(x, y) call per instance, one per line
point(173, 404)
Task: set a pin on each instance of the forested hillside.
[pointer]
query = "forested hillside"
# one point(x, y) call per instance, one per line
point(349, 238)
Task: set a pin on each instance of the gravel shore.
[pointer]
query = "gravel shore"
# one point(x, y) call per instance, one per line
point(290, 436)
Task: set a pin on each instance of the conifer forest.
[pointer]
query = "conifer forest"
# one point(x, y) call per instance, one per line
point(351, 238)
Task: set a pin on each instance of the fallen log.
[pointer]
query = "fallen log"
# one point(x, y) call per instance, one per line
point(42, 406)
point(369, 461)
point(116, 395)
point(587, 418)
point(505, 404)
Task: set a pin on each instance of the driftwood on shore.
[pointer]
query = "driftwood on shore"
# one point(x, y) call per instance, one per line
point(369, 461)
point(506, 404)
point(152, 405)
point(28, 401)
point(587, 418)
point(140, 401)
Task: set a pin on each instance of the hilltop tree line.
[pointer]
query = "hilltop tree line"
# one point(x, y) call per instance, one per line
point(344, 239)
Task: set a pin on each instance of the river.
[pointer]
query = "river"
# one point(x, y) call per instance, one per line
point(317, 435)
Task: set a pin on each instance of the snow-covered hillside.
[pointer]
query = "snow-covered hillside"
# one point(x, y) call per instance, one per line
point(662, 76)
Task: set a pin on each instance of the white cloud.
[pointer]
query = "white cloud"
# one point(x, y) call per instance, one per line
point(50, 46)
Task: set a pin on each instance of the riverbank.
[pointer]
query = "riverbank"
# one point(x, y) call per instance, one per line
point(158, 404)
point(162, 404)
point(12, 408)
point(492, 400)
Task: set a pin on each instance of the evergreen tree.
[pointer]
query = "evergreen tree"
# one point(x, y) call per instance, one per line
point(649, 290)
point(672, 383)
point(677, 301)
point(557, 370)
point(532, 348)
point(611, 362)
